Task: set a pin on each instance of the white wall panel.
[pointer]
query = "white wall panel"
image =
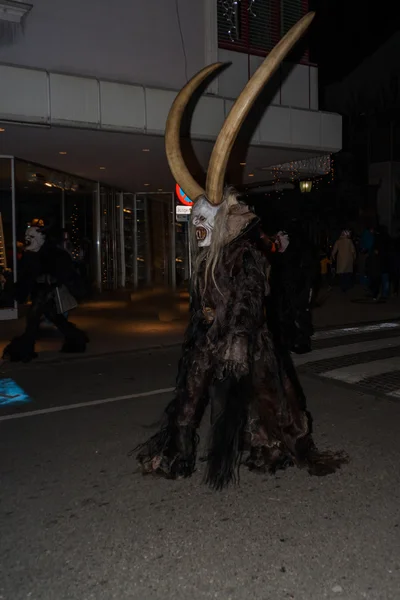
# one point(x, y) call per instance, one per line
point(292, 85)
point(122, 106)
point(273, 92)
point(295, 86)
point(86, 102)
point(158, 103)
point(74, 99)
point(331, 130)
point(233, 79)
point(306, 128)
point(208, 117)
point(24, 94)
point(314, 93)
point(275, 126)
point(131, 41)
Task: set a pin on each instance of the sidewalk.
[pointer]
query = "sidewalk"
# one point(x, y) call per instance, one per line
point(114, 323)
point(337, 309)
point(155, 318)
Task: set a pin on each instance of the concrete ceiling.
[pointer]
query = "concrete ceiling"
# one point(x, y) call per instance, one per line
point(125, 164)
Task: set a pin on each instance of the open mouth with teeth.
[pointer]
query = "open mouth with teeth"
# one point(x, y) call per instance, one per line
point(201, 234)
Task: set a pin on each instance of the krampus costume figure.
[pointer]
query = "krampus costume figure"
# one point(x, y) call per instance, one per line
point(231, 358)
point(46, 275)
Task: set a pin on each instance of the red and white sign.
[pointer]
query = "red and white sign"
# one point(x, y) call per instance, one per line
point(182, 197)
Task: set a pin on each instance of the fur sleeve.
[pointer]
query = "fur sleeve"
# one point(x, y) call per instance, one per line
point(239, 312)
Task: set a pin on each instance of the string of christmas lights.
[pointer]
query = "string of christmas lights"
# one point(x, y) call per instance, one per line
point(251, 8)
point(75, 250)
point(316, 169)
point(229, 8)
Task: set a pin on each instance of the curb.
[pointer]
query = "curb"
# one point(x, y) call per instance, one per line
point(357, 324)
point(43, 360)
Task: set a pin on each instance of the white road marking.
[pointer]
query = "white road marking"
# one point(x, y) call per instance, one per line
point(332, 333)
point(351, 374)
point(346, 350)
point(356, 373)
point(55, 409)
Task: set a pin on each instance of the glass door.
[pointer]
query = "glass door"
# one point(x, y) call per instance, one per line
point(149, 240)
point(8, 250)
point(112, 239)
point(130, 237)
point(183, 270)
point(155, 239)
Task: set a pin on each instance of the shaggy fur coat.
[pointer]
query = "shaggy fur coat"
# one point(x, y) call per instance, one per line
point(232, 357)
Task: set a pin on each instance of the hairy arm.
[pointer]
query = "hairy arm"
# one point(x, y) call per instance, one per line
point(239, 313)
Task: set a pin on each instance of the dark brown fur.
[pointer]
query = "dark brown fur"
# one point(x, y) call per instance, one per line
point(233, 357)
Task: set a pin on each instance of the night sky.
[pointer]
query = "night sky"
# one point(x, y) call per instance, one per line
point(346, 32)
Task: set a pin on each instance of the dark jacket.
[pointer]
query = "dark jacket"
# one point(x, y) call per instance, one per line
point(374, 265)
point(51, 266)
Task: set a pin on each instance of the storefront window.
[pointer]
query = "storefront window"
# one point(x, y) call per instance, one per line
point(112, 248)
point(61, 201)
point(129, 231)
point(7, 242)
point(182, 252)
point(161, 239)
point(78, 227)
point(38, 196)
point(143, 246)
point(149, 240)
point(115, 239)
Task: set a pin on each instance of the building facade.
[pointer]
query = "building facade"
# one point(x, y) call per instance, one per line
point(86, 88)
point(369, 99)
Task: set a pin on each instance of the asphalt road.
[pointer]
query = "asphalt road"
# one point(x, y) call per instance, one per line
point(77, 521)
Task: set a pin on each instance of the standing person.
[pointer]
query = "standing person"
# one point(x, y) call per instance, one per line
point(395, 265)
point(325, 263)
point(48, 277)
point(374, 272)
point(367, 240)
point(344, 253)
point(383, 244)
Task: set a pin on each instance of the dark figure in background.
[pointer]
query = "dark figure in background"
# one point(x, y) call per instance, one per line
point(374, 272)
point(47, 276)
point(6, 288)
point(383, 245)
point(366, 246)
point(395, 265)
point(344, 254)
point(294, 275)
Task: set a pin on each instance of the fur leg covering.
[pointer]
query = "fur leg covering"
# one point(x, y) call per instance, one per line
point(20, 349)
point(227, 434)
point(171, 452)
point(75, 341)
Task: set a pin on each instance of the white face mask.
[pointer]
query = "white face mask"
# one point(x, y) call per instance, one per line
point(283, 240)
point(34, 239)
point(203, 219)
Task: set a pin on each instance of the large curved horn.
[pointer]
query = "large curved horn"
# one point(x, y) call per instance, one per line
point(172, 134)
point(230, 129)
